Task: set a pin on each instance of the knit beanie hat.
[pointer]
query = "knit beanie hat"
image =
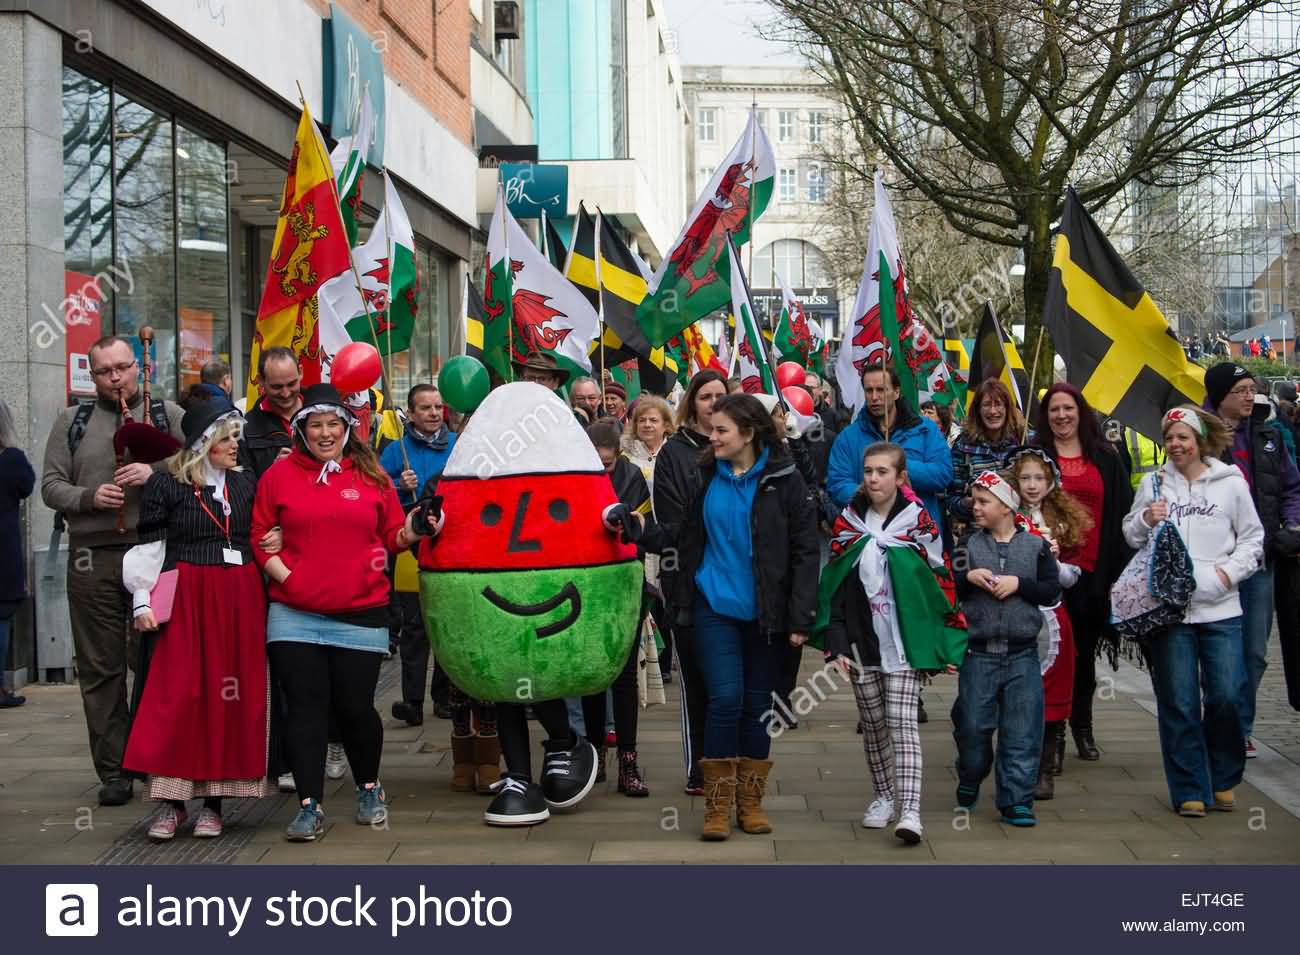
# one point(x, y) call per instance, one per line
point(1220, 379)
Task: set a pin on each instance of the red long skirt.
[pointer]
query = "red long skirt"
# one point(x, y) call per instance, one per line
point(1058, 681)
point(202, 715)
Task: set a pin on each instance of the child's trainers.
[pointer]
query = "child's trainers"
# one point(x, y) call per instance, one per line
point(1019, 815)
point(308, 824)
point(879, 814)
point(968, 794)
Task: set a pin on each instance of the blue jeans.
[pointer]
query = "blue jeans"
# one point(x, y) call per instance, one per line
point(1003, 692)
point(1200, 683)
point(740, 668)
point(1256, 593)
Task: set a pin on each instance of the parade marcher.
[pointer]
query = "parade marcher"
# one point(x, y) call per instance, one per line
point(200, 730)
point(886, 415)
point(1054, 515)
point(16, 482)
point(413, 461)
point(216, 379)
point(327, 623)
point(632, 491)
point(1094, 474)
point(542, 368)
point(676, 480)
point(990, 433)
point(747, 552)
point(82, 480)
point(1197, 666)
point(651, 426)
point(615, 402)
point(584, 398)
point(864, 633)
point(268, 433)
point(1257, 448)
point(1004, 575)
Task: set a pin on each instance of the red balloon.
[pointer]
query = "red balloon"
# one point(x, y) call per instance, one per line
point(355, 367)
point(798, 399)
point(789, 373)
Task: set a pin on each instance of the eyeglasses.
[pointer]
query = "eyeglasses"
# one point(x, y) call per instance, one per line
point(1242, 390)
point(121, 368)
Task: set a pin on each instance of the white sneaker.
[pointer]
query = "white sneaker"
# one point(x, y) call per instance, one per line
point(336, 762)
point(879, 814)
point(909, 828)
point(286, 783)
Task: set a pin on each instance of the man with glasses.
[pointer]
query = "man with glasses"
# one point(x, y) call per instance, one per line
point(1261, 454)
point(268, 436)
point(83, 481)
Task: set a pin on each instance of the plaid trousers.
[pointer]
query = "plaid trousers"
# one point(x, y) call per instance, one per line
point(887, 706)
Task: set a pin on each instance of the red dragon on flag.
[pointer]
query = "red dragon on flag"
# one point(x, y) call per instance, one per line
point(706, 236)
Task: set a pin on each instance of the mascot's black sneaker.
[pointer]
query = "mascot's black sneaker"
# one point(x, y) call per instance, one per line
point(518, 802)
point(568, 773)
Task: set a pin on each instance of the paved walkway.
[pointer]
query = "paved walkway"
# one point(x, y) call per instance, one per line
point(1111, 811)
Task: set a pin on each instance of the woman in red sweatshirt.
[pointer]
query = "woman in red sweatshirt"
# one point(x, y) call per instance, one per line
point(326, 628)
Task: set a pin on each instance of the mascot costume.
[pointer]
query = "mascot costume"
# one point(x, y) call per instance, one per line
point(530, 586)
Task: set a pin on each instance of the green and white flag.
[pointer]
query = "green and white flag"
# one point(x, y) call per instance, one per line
point(348, 158)
point(694, 278)
point(543, 310)
point(756, 375)
point(797, 338)
point(389, 283)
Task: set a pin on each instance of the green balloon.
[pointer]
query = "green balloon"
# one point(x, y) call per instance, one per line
point(464, 383)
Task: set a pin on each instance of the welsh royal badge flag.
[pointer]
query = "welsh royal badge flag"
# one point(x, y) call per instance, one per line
point(882, 319)
point(694, 278)
point(542, 310)
point(797, 338)
point(310, 248)
point(348, 161)
point(389, 288)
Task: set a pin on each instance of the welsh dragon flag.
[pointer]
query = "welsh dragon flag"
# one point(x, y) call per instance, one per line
point(693, 279)
point(389, 283)
point(528, 304)
point(883, 319)
point(756, 374)
point(348, 160)
point(797, 337)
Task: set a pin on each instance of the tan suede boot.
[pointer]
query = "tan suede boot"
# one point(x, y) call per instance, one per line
point(462, 764)
point(719, 794)
point(751, 781)
point(487, 757)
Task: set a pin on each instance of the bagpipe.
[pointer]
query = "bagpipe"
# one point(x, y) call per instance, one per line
point(143, 440)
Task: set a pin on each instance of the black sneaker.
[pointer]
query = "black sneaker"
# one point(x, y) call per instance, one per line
point(518, 802)
point(412, 714)
point(442, 710)
point(567, 773)
point(116, 792)
point(921, 715)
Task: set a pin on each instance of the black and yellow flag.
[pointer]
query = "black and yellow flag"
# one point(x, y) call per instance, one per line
point(1117, 347)
point(621, 288)
point(995, 356)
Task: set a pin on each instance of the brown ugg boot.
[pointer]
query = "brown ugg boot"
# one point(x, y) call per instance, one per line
point(487, 759)
point(462, 764)
point(719, 794)
point(751, 780)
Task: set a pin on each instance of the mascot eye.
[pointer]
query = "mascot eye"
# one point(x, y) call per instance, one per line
point(490, 515)
point(559, 510)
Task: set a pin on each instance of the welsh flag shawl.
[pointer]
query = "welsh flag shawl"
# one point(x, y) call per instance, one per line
point(906, 566)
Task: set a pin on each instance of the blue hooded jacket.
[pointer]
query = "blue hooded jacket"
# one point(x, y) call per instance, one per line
point(929, 462)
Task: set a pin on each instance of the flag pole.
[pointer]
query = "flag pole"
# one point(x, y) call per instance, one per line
point(753, 178)
point(600, 300)
point(1033, 370)
point(505, 237)
point(388, 301)
point(356, 275)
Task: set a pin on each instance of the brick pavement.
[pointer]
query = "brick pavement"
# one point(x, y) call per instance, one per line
point(1112, 811)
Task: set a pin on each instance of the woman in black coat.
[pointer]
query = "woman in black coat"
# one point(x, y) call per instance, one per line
point(747, 558)
point(16, 482)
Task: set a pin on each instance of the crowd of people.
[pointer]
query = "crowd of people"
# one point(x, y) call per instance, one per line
point(255, 579)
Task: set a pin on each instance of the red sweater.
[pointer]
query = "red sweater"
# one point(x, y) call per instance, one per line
point(336, 536)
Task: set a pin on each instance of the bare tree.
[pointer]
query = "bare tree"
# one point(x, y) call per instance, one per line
point(990, 108)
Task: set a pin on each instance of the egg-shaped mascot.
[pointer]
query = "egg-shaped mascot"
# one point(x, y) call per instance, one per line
point(530, 586)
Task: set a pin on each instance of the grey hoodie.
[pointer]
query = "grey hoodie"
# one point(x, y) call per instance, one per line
point(1217, 521)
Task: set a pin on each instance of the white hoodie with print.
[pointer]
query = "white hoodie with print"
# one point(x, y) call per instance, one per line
point(1218, 522)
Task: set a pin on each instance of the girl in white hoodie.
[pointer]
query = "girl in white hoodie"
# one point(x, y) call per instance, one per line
point(1202, 737)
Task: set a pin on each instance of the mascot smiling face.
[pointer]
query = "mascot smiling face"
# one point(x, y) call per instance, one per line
point(526, 594)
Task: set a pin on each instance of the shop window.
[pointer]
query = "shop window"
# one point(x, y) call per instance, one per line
point(88, 186)
point(203, 256)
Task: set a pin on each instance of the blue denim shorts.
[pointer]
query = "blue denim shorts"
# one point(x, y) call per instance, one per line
point(285, 624)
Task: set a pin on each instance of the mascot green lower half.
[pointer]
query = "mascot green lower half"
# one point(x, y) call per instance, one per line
point(530, 588)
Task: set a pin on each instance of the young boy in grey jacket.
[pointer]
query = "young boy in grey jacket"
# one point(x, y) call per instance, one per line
point(1003, 575)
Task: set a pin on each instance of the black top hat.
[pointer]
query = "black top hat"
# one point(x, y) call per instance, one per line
point(323, 397)
point(201, 416)
point(544, 362)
